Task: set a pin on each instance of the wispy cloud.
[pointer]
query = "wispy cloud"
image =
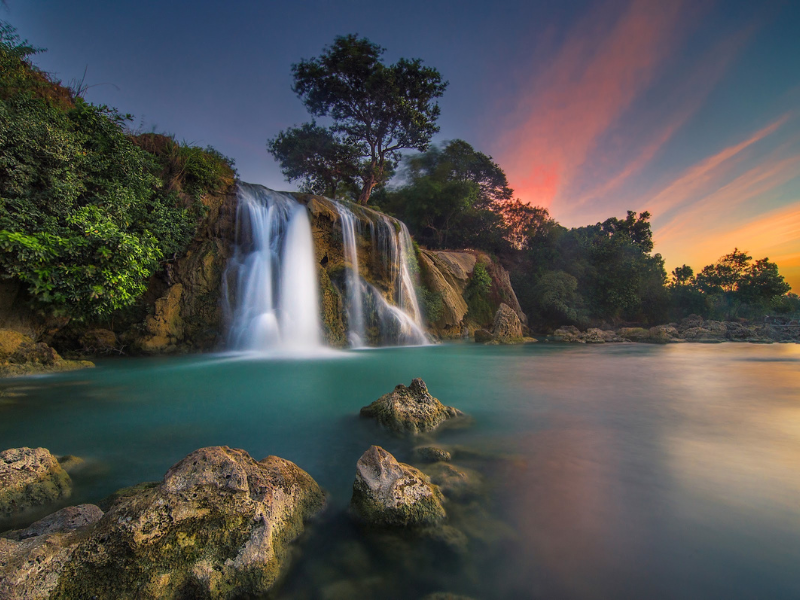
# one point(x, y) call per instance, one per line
point(706, 174)
point(595, 76)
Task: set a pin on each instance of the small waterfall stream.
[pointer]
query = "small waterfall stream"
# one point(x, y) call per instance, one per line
point(276, 307)
point(355, 306)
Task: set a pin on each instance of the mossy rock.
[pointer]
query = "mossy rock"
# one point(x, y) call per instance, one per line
point(387, 493)
point(218, 526)
point(410, 409)
point(30, 478)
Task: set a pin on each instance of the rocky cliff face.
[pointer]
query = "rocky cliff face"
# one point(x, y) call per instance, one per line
point(182, 310)
point(448, 274)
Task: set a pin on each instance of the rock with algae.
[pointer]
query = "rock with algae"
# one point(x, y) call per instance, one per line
point(219, 525)
point(30, 477)
point(410, 409)
point(387, 493)
point(32, 559)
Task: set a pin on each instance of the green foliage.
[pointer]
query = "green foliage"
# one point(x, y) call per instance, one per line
point(733, 286)
point(431, 302)
point(456, 197)
point(477, 295)
point(377, 110)
point(318, 158)
point(616, 279)
point(556, 298)
point(85, 218)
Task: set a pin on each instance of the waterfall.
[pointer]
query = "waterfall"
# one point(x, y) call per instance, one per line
point(354, 302)
point(400, 323)
point(271, 294)
point(276, 302)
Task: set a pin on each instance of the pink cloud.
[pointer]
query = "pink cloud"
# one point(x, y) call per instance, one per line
point(594, 78)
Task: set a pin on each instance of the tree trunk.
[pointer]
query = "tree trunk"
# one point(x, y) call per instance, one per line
point(369, 185)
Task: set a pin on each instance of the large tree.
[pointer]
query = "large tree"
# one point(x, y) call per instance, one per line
point(376, 109)
point(314, 155)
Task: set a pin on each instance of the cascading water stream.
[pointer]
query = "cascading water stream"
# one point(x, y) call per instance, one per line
point(355, 306)
point(276, 304)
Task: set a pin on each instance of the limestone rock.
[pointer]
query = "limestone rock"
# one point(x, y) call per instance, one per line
point(32, 560)
point(20, 355)
point(71, 463)
point(392, 494)
point(410, 409)
point(507, 326)
point(218, 526)
point(431, 454)
point(30, 477)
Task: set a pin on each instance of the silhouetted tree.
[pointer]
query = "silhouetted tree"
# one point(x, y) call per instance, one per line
point(377, 109)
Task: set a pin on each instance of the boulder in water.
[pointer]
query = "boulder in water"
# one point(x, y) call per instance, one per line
point(30, 477)
point(410, 409)
point(32, 559)
point(218, 526)
point(391, 494)
point(483, 336)
point(507, 326)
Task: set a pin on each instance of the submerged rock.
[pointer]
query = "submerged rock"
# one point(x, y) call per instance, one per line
point(431, 454)
point(410, 409)
point(391, 494)
point(454, 482)
point(32, 559)
point(30, 477)
point(218, 526)
point(482, 336)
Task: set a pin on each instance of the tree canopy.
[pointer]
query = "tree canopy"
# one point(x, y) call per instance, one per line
point(376, 110)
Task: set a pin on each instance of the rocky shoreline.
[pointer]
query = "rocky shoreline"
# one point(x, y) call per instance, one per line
point(691, 329)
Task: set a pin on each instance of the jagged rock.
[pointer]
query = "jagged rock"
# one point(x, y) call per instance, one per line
point(664, 334)
point(431, 454)
point(410, 409)
point(691, 321)
point(30, 477)
point(218, 526)
point(482, 336)
point(32, 559)
point(165, 328)
point(20, 355)
point(392, 494)
point(507, 326)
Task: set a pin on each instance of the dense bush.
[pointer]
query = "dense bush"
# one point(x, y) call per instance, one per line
point(85, 216)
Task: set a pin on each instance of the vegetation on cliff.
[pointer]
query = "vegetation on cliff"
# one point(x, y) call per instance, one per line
point(88, 212)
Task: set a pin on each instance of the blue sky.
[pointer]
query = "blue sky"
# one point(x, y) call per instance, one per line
point(688, 109)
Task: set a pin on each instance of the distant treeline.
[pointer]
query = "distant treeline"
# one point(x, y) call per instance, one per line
point(604, 274)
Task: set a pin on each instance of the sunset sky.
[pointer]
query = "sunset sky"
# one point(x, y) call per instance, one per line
point(690, 110)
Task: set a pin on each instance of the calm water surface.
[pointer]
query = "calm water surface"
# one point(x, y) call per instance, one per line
point(619, 471)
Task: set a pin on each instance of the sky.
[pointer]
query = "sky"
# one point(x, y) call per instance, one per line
point(689, 109)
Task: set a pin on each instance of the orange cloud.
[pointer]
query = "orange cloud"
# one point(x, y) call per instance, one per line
point(594, 78)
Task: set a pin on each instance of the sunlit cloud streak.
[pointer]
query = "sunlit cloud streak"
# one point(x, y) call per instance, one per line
point(596, 75)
